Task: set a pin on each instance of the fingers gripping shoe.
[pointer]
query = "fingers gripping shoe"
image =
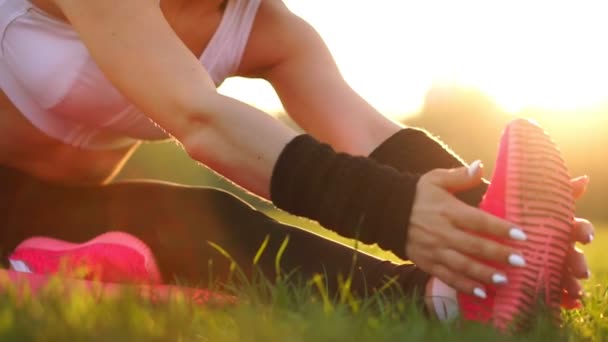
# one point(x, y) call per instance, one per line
point(530, 188)
point(110, 257)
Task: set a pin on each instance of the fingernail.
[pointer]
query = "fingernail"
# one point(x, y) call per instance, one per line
point(591, 237)
point(517, 260)
point(479, 292)
point(498, 278)
point(588, 274)
point(474, 167)
point(517, 234)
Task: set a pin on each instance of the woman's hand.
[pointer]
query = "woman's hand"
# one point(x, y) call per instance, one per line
point(445, 234)
point(577, 268)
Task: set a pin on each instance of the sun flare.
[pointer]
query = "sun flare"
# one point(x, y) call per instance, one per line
point(542, 54)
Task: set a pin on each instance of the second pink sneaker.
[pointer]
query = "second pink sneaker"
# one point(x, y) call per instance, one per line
point(530, 188)
point(110, 257)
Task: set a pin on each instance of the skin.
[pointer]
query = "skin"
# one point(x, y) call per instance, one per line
point(223, 133)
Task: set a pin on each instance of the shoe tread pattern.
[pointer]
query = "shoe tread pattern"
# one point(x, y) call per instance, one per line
point(539, 200)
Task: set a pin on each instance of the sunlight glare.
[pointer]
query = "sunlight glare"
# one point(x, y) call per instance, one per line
point(544, 54)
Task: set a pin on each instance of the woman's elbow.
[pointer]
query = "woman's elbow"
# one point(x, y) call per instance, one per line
point(190, 116)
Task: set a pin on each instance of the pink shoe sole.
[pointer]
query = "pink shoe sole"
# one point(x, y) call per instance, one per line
point(40, 253)
point(539, 199)
point(26, 284)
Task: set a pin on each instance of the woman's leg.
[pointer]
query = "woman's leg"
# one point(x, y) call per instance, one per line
point(178, 222)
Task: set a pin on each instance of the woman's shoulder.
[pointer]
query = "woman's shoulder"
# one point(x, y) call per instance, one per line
point(276, 31)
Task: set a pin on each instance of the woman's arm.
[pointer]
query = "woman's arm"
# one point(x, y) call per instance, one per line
point(312, 89)
point(139, 52)
point(320, 101)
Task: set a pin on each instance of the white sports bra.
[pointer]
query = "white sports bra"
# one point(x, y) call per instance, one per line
point(48, 74)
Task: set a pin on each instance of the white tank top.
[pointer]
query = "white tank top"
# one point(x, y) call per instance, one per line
point(48, 74)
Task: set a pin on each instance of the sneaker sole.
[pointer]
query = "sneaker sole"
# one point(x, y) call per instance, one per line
point(26, 285)
point(110, 238)
point(539, 200)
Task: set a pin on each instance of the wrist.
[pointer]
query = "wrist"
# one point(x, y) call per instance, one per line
point(414, 150)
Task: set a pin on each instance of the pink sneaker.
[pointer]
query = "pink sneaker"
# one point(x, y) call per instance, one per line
point(530, 188)
point(110, 257)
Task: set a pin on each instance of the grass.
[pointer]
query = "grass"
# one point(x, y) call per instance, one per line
point(279, 312)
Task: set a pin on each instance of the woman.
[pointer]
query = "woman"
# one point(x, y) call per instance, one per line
point(85, 81)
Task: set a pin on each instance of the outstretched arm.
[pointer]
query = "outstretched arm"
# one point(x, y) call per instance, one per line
point(313, 91)
point(139, 52)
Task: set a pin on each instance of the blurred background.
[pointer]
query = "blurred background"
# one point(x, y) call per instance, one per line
point(460, 69)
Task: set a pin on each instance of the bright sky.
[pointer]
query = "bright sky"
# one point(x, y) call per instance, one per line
point(547, 54)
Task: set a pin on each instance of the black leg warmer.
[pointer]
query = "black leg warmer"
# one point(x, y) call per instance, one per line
point(416, 151)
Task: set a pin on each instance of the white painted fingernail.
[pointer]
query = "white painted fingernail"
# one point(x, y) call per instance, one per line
point(498, 278)
point(479, 292)
point(474, 167)
point(517, 234)
point(517, 260)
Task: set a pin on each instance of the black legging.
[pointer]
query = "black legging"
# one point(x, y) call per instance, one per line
point(177, 222)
